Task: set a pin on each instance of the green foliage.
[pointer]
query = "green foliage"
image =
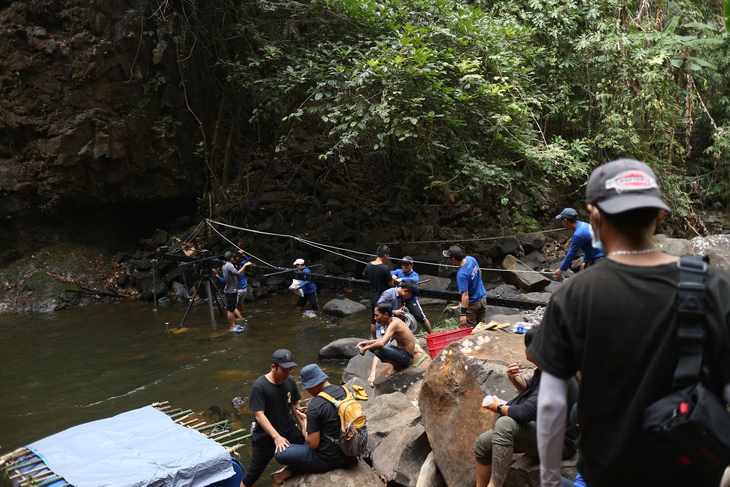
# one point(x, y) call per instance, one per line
point(475, 98)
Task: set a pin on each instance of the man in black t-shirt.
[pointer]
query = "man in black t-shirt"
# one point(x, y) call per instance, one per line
point(321, 425)
point(273, 398)
point(615, 323)
point(380, 279)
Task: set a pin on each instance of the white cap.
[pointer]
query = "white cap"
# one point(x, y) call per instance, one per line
point(299, 262)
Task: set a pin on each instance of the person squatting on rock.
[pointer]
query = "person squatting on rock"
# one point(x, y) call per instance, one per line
point(321, 426)
point(274, 397)
point(380, 279)
point(582, 240)
point(230, 278)
point(615, 323)
point(470, 285)
point(516, 428)
point(403, 275)
point(400, 355)
point(308, 288)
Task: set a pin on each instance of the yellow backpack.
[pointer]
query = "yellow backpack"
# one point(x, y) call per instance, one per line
point(353, 424)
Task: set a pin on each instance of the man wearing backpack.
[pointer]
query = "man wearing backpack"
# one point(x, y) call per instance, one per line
point(615, 323)
point(320, 424)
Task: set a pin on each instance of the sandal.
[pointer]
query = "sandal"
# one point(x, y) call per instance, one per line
point(279, 477)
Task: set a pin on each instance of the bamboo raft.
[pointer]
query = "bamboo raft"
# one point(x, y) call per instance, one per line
point(23, 468)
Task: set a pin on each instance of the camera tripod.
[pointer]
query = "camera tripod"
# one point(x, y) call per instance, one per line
point(210, 286)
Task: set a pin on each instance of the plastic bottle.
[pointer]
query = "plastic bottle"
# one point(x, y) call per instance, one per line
point(487, 400)
point(521, 327)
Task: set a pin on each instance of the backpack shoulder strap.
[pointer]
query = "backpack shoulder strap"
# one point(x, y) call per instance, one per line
point(690, 319)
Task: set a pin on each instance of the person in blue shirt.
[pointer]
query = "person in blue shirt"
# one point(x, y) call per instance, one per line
point(243, 263)
point(470, 285)
point(308, 288)
point(582, 240)
point(406, 273)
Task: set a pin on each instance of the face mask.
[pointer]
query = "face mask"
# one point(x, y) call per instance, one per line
point(595, 239)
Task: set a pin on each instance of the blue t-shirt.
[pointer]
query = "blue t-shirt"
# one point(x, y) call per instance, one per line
point(581, 241)
point(413, 276)
point(307, 287)
point(242, 281)
point(468, 278)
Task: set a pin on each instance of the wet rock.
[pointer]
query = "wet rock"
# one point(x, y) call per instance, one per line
point(343, 307)
point(149, 287)
point(342, 348)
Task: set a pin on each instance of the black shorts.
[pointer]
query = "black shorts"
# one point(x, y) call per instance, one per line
point(231, 299)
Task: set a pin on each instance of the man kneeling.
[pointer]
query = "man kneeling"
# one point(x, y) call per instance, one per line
point(320, 424)
point(515, 429)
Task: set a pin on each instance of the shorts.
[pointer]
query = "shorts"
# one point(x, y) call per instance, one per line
point(231, 301)
point(414, 308)
point(476, 312)
point(241, 296)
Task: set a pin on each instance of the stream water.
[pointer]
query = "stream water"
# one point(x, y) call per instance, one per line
point(67, 368)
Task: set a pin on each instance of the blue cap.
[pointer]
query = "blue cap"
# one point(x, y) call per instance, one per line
point(568, 214)
point(312, 376)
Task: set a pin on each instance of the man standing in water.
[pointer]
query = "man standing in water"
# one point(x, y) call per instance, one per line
point(380, 279)
point(230, 277)
point(274, 397)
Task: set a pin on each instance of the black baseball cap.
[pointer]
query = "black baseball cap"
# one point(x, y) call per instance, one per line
point(407, 260)
point(454, 252)
point(624, 185)
point(283, 358)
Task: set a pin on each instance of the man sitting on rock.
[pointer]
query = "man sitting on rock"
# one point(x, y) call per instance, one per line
point(320, 424)
point(515, 429)
point(399, 356)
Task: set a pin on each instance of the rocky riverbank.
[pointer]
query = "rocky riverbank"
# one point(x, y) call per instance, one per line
point(66, 275)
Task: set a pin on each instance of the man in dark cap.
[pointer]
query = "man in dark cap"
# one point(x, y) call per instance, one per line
point(321, 426)
point(401, 276)
point(582, 240)
point(274, 397)
point(616, 325)
point(471, 287)
point(230, 277)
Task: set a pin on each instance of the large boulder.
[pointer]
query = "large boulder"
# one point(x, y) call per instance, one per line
point(359, 475)
point(343, 307)
point(429, 476)
point(389, 413)
point(397, 441)
point(452, 392)
point(716, 247)
point(400, 455)
point(522, 276)
point(342, 348)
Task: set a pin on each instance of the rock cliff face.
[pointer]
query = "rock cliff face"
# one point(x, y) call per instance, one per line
point(91, 112)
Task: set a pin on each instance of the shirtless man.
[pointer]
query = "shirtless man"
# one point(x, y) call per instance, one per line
point(399, 356)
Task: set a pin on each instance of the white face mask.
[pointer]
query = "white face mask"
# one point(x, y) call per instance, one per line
point(596, 239)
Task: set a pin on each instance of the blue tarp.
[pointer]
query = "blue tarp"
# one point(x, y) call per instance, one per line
point(143, 447)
